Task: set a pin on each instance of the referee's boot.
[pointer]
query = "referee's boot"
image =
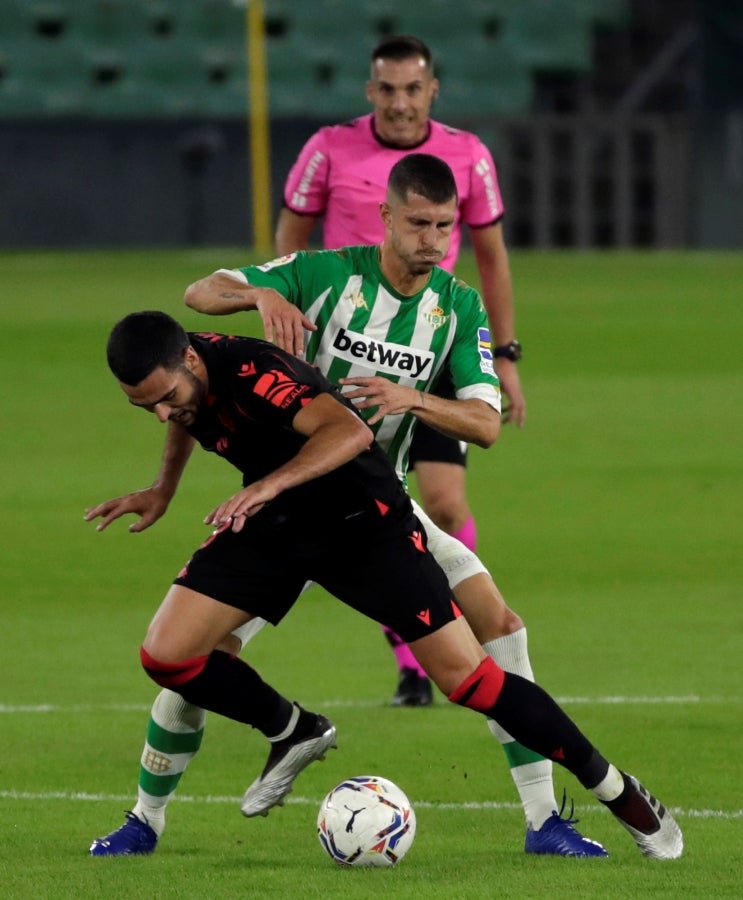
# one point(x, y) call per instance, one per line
point(413, 689)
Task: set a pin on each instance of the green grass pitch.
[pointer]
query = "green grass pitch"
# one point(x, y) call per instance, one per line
point(612, 523)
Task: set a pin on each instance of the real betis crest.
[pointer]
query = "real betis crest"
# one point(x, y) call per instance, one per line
point(436, 317)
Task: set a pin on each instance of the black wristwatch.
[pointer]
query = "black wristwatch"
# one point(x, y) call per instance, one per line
point(510, 351)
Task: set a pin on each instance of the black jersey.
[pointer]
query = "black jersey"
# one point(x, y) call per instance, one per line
point(254, 391)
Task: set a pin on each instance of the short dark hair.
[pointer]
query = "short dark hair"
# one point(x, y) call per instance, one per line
point(402, 46)
point(143, 341)
point(423, 174)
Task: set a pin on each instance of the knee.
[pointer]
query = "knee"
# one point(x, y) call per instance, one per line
point(448, 511)
point(511, 621)
point(485, 609)
point(505, 620)
point(481, 689)
point(172, 675)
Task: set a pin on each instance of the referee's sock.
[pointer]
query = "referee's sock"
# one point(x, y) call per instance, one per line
point(403, 654)
point(467, 534)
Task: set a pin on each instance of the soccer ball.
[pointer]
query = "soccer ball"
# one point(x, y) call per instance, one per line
point(366, 821)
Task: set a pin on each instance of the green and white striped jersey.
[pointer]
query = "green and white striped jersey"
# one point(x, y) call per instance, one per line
point(366, 328)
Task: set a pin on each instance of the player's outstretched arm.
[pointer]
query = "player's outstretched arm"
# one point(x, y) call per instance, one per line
point(151, 503)
point(226, 291)
point(222, 293)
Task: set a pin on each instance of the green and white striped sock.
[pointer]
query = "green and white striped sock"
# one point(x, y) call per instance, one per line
point(174, 736)
point(531, 773)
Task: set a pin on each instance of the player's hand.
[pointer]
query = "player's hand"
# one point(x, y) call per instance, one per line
point(283, 323)
point(149, 504)
point(515, 410)
point(389, 397)
point(245, 503)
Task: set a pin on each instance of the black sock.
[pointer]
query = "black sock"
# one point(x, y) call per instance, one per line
point(229, 687)
point(632, 808)
point(528, 713)
point(305, 725)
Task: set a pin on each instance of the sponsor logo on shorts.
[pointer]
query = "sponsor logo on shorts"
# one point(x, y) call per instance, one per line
point(417, 538)
point(385, 356)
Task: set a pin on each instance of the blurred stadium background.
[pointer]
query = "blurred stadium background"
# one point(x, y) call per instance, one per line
point(614, 123)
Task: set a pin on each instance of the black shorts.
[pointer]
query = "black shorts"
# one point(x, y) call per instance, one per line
point(391, 578)
point(429, 445)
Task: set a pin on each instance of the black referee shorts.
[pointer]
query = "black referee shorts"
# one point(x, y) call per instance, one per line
point(429, 445)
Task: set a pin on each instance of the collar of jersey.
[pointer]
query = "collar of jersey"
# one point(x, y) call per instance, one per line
point(387, 285)
point(391, 146)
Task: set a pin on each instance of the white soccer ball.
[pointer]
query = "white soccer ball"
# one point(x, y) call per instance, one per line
point(366, 821)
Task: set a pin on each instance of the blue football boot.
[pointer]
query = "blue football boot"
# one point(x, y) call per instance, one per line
point(559, 837)
point(135, 837)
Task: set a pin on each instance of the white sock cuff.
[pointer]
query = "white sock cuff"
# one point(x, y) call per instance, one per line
point(171, 712)
point(611, 786)
point(511, 653)
point(249, 630)
point(291, 725)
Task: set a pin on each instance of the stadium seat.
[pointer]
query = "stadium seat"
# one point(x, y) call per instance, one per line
point(220, 22)
point(49, 76)
point(481, 77)
point(604, 12)
point(307, 78)
point(184, 58)
point(549, 36)
point(18, 97)
point(108, 23)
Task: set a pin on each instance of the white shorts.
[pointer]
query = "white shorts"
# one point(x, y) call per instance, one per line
point(454, 558)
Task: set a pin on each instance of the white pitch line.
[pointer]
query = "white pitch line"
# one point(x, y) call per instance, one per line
point(684, 700)
point(485, 806)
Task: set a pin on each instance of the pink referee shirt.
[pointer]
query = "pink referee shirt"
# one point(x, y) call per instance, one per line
point(341, 174)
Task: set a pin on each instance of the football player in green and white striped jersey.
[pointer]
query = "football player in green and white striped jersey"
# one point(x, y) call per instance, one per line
point(367, 328)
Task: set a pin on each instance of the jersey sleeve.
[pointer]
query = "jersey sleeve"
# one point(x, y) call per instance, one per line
point(281, 274)
point(484, 204)
point(471, 354)
point(306, 186)
point(304, 277)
